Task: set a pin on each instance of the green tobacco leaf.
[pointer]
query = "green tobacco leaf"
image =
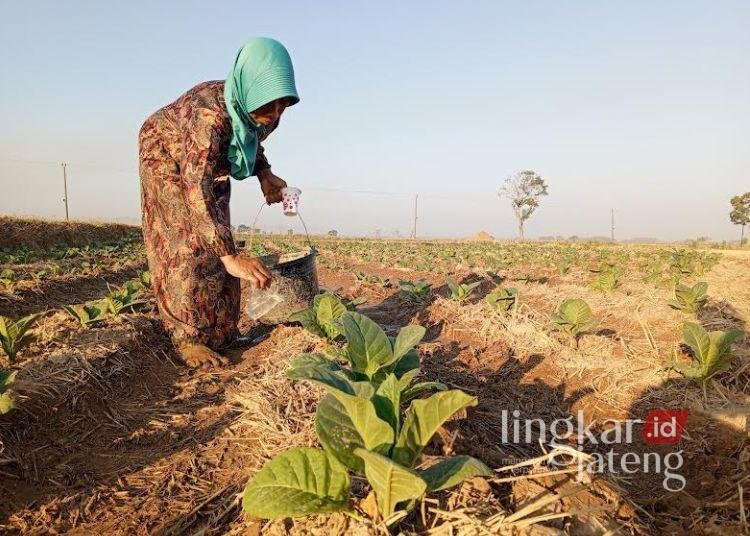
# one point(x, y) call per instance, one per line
point(15, 334)
point(7, 377)
point(697, 339)
point(416, 390)
point(7, 402)
point(712, 351)
point(392, 483)
point(407, 338)
point(368, 346)
point(308, 320)
point(425, 417)
point(298, 482)
point(87, 314)
point(356, 302)
point(328, 311)
point(719, 356)
point(405, 379)
point(449, 472)
point(700, 288)
point(387, 401)
point(452, 286)
point(407, 364)
point(345, 423)
point(318, 369)
point(575, 311)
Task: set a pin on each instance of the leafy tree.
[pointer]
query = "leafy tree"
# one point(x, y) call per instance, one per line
point(740, 214)
point(524, 189)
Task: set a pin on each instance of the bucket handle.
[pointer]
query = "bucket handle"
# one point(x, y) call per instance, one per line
point(257, 216)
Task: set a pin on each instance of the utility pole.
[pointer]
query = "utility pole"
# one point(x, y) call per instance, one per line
point(65, 187)
point(414, 228)
point(613, 225)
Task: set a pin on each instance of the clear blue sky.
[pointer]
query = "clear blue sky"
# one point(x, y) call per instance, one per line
point(643, 107)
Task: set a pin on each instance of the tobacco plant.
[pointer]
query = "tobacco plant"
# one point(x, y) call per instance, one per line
point(144, 278)
point(322, 318)
point(460, 292)
point(6, 396)
point(15, 334)
point(495, 277)
point(419, 290)
point(564, 264)
point(608, 277)
point(370, 423)
point(502, 300)
point(573, 318)
point(690, 299)
point(88, 314)
point(373, 279)
point(125, 298)
point(7, 278)
point(712, 352)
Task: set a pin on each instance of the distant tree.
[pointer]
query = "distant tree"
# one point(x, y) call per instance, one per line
point(740, 214)
point(333, 232)
point(290, 232)
point(524, 189)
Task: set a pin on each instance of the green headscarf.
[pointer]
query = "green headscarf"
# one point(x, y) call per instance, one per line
point(262, 72)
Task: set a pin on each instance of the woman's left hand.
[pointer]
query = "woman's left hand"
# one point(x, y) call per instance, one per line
point(271, 186)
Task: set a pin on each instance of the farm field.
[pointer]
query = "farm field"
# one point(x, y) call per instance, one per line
point(112, 434)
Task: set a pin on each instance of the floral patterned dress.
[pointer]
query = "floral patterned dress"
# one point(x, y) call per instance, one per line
point(185, 191)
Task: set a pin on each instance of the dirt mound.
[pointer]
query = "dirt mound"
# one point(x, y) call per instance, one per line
point(482, 236)
point(43, 234)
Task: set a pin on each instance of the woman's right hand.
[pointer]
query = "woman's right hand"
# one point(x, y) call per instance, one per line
point(249, 269)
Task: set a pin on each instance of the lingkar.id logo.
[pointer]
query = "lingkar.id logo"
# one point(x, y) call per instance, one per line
point(660, 427)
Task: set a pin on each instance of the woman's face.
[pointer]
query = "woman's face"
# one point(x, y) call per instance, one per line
point(269, 113)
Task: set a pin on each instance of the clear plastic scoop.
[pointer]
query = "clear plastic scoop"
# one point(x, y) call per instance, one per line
point(261, 302)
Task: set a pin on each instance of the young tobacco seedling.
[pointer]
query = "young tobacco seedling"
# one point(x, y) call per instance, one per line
point(573, 318)
point(38, 275)
point(88, 313)
point(365, 427)
point(373, 279)
point(608, 278)
point(564, 264)
point(15, 334)
point(7, 278)
point(502, 300)
point(495, 277)
point(460, 292)
point(419, 290)
point(712, 352)
point(690, 299)
point(6, 397)
point(322, 318)
point(144, 278)
point(125, 298)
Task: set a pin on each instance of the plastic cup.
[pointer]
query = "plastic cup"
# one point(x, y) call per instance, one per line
point(290, 200)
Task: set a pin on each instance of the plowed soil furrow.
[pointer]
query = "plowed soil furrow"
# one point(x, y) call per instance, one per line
point(55, 293)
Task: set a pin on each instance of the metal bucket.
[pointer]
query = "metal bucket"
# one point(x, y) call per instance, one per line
point(295, 279)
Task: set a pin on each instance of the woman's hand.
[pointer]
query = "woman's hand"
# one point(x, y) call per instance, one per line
point(249, 269)
point(271, 186)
